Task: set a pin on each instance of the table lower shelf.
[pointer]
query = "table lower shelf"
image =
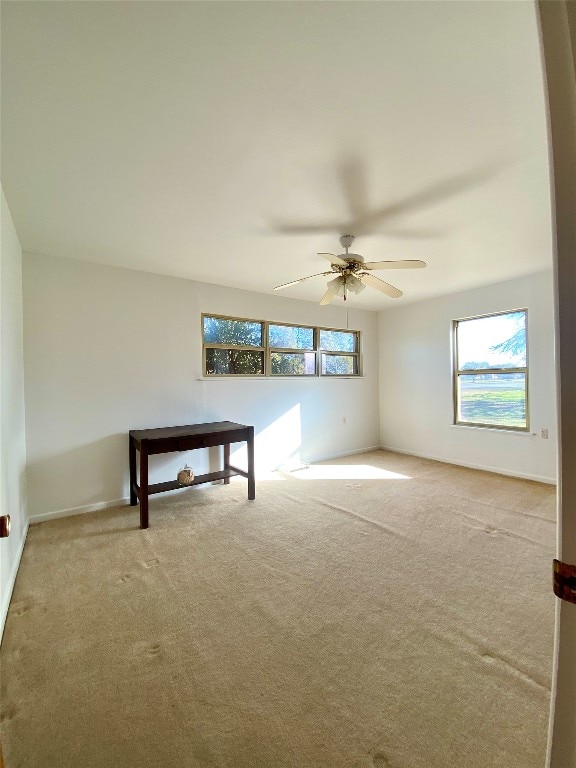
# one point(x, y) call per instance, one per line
point(210, 477)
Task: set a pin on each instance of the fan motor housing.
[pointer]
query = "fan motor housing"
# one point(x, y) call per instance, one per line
point(346, 241)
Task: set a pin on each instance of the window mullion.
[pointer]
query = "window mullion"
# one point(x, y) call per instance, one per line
point(266, 333)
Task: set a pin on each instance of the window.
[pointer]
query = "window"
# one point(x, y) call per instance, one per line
point(239, 347)
point(233, 347)
point(491, 371)
point(292, 350)
point(339, 353)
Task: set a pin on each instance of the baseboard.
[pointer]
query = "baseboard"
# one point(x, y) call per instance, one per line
point(44, 516)
point(468, 465)
point(96, 507)
point(9, 587)
point(331, 456)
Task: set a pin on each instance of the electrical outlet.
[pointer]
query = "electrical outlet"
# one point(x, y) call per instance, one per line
point(544, 434)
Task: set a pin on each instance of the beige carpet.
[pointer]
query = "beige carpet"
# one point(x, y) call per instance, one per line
point(398, 617)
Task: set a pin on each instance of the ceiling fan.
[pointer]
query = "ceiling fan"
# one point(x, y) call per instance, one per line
point(353, 274)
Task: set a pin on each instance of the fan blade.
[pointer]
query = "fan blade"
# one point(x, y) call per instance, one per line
point(328, 296)
point(333, 259)
point(364, 219)
point(307, 229)
point(401, 264)
point(380, 285)
point(300, 280)
point(412, 234)
point(351, 173)
point(433, 194)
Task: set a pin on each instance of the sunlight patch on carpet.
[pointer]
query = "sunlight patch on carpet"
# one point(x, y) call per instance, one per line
point(347, 472)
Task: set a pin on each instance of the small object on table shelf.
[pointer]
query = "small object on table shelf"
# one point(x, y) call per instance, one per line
point(186, 475)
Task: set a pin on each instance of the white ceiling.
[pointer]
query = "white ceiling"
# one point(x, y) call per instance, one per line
point(182, 138)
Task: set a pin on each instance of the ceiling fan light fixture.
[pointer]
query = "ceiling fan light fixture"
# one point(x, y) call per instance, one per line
point(354, 285)
point(336, 286)
point(344, 284)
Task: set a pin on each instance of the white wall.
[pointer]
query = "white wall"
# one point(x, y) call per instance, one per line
point(109, 350)
point(416, 408)
point(12, 434)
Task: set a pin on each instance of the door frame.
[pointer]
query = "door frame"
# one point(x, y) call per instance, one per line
point(558, 45)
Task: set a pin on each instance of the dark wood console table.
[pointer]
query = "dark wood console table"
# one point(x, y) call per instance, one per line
point(187, 438)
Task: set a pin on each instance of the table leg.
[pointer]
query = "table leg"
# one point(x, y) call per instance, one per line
point(143, 485)
point(251, 476)
point(226, 461)
point(132, 463)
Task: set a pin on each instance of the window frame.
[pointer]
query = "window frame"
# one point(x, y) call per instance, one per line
point(239, 347)
point(457, 372)
point(340, 353)
point(268, 349)
point(290, 350)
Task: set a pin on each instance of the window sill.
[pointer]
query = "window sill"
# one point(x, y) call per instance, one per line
point(277, 378)
point(524, 432)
